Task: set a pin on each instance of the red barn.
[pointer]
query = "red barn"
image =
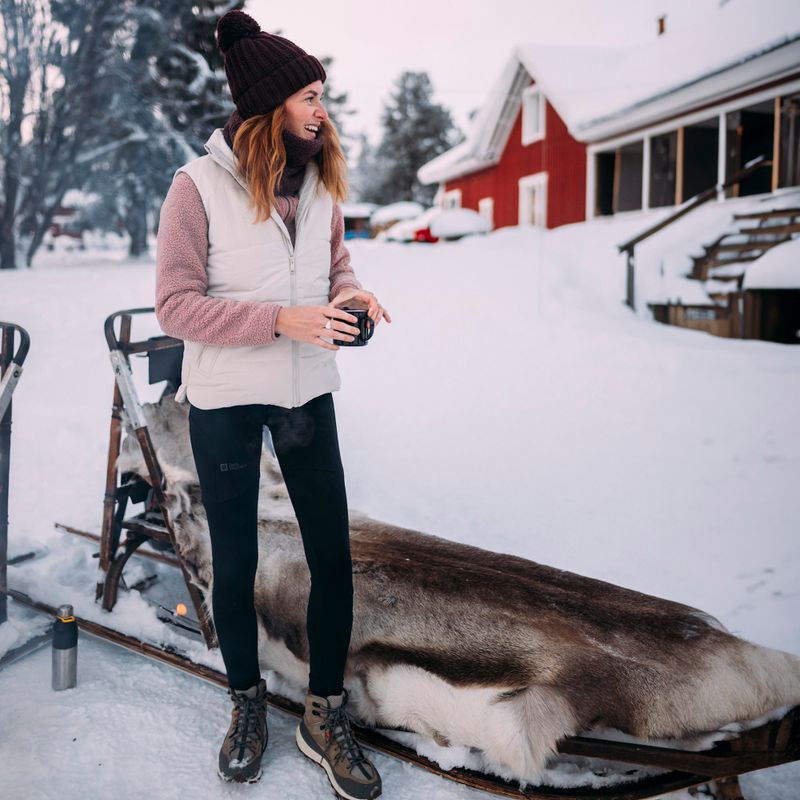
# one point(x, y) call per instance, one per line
point(570, 133)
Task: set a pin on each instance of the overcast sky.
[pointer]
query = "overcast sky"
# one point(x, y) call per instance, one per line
point(463, 46)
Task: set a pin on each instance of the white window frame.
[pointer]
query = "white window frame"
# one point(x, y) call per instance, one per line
point(533, 94)
point(486, 209)
point(537, 182)
point(720, 110)
point(451, 199)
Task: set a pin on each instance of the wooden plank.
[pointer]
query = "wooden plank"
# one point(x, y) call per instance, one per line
point(776, 143)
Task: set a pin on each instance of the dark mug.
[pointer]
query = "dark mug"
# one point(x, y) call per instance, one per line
point(365, 325)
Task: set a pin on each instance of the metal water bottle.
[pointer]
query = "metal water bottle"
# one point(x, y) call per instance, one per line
point(65, 649)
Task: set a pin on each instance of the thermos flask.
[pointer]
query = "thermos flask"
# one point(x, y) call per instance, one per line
point(65, 649)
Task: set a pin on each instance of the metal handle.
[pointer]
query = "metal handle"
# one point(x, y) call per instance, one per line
point(24, 342)
point(108, 326)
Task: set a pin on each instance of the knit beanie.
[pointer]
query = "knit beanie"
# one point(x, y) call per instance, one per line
point(262, 69)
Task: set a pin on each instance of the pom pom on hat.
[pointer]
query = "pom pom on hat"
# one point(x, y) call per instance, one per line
point(233, 26)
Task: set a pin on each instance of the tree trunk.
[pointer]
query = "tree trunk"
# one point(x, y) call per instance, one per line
point(136, 225)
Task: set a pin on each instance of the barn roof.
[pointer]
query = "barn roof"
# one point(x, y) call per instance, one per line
point(601, 91)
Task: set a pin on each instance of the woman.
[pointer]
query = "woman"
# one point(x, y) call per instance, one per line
point(252, 272)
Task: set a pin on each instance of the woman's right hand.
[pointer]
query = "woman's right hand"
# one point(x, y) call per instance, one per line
point(311, 323)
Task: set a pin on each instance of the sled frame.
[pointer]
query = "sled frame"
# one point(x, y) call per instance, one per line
point(141, 528)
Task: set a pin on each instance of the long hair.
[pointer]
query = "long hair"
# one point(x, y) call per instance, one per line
point(261, 159)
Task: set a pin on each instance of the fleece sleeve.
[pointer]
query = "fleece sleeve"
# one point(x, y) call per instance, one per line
point(342, 275)
point(183, 308)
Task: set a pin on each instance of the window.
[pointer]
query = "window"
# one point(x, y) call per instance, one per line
point(532, 115)
point(452, 199)
point(533, 200)
point(486, 209)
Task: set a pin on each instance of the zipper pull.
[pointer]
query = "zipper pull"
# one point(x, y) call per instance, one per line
point(291, 263)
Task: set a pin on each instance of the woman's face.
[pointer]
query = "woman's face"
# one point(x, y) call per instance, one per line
point(304, 111)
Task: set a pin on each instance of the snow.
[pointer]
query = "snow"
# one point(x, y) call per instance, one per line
point(590, 83)
point(664, 260)
point(357, 210)
point(681, 290)
point(394, 212)
point(455, 222)
point(778, 268)
point(514, 403)
point(75, 198)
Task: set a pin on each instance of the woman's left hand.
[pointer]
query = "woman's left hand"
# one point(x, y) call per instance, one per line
point(374, 309)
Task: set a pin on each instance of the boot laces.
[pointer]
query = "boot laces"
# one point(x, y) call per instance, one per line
point(337, 722)
point(247, 722)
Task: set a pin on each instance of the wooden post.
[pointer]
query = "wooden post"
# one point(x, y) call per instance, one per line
point(630, 300)
point(6, 353)
point(776, 145)
point(679, 159)
point(108, 545)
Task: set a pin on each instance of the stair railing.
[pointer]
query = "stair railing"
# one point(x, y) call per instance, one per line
point(690, 205)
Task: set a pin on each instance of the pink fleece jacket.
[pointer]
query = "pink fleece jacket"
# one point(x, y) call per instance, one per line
point(183, 308)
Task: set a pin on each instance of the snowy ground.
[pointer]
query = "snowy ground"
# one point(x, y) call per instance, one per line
point(514, 404)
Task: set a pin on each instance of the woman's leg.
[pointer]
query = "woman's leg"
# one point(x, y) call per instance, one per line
point(307, 447)
point(226, 443)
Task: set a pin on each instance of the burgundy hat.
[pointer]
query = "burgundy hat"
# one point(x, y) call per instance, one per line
point(262, 69)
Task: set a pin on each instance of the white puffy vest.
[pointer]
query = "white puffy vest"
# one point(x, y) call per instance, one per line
point(257, 261)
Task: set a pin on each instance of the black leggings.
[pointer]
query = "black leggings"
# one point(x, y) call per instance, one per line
point(226, 443)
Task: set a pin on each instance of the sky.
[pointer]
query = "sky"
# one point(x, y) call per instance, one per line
point(463, 47)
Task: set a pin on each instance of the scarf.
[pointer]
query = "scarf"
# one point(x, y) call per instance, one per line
point(299, 152)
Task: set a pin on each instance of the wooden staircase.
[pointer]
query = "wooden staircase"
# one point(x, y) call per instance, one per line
point(726, 258)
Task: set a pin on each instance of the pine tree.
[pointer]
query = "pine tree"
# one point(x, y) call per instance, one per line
point(177, 93)
point(415, 130)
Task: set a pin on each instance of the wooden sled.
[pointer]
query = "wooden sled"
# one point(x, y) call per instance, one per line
point(768, 745)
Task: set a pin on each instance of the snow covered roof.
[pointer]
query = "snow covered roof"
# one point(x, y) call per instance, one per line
point(590, 87)
point(405, 209)
point(778, 268)
point(357, 210)
point(76, 198)
point(600, 91)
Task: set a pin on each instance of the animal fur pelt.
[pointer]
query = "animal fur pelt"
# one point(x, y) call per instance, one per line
point(483, 649)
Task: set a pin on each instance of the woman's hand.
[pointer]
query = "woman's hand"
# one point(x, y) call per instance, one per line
point(310, 323)
point(375, 310)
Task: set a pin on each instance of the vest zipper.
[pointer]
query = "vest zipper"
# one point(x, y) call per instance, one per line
point(295, 344)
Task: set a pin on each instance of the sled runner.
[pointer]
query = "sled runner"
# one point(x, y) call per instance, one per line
point(11, 362)
point(653, 769)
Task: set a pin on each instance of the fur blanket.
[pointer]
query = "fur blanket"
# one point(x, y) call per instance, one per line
point(482, 649)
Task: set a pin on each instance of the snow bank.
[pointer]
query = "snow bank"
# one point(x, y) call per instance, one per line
point(456, 222)
point(778, 268)
point(404, 230)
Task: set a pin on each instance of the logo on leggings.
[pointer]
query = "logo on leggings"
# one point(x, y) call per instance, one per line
point(232, 466)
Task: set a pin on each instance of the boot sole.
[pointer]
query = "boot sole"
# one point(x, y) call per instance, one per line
point(240, 778)
point(312, 754)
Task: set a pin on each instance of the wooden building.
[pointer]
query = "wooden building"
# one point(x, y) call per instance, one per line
point(572, 133)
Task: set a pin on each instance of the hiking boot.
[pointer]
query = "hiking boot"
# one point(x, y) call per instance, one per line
point(324, 736)
point(246, 740)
